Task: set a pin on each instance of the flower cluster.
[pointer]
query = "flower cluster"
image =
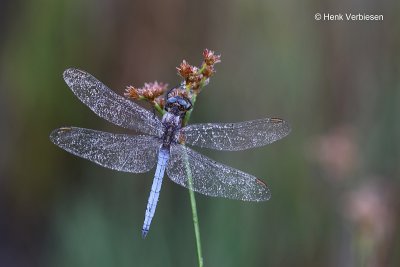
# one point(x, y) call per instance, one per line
point(194, 79)
point(152, 92)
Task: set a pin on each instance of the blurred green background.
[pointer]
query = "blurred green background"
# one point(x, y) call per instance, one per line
point(334, 179)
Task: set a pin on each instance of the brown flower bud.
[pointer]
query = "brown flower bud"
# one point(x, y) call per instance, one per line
point(131, 92)
point(208, 71)
point(210, 58)
point(185, 69)
point(152, 90)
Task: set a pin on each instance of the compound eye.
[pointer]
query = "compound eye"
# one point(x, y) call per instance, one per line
point(171, 100)
point(182, 102)
point(187, 105)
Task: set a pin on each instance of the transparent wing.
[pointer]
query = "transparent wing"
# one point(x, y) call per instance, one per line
point(110, 106)
point(235, 136)
point(212, 178)
point(121, 152)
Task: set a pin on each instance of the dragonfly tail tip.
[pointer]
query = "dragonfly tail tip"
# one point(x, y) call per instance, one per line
point(144, 233)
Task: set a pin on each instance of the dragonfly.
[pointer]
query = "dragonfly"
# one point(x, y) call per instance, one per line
point(163, 143)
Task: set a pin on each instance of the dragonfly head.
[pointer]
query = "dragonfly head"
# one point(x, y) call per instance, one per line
point(178, 105)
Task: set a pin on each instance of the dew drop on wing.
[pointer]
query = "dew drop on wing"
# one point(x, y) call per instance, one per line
point(121, 152)
point(109, 105)
point(235, 136)
point(212, 178)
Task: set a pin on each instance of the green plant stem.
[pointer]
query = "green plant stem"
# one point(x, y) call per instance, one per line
point(194, 214)
point(159, 109)
point(187, 117)
point(192, 197)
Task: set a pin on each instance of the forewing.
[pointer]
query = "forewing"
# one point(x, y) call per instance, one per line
point(235, 136)
point(121, 152)
point(212, 178)
point(110, 106)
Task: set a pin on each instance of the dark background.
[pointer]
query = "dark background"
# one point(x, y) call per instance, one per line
point(334, 179)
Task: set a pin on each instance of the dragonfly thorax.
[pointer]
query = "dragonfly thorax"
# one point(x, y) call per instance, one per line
point(171, 124)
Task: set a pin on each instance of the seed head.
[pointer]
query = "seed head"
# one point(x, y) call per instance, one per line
point(208, 71)
point(194, 79)
point(149, 91)
point(186, 70)
point(131, 92)
point(153, 90)
point(210, 58)
point(178, 91)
